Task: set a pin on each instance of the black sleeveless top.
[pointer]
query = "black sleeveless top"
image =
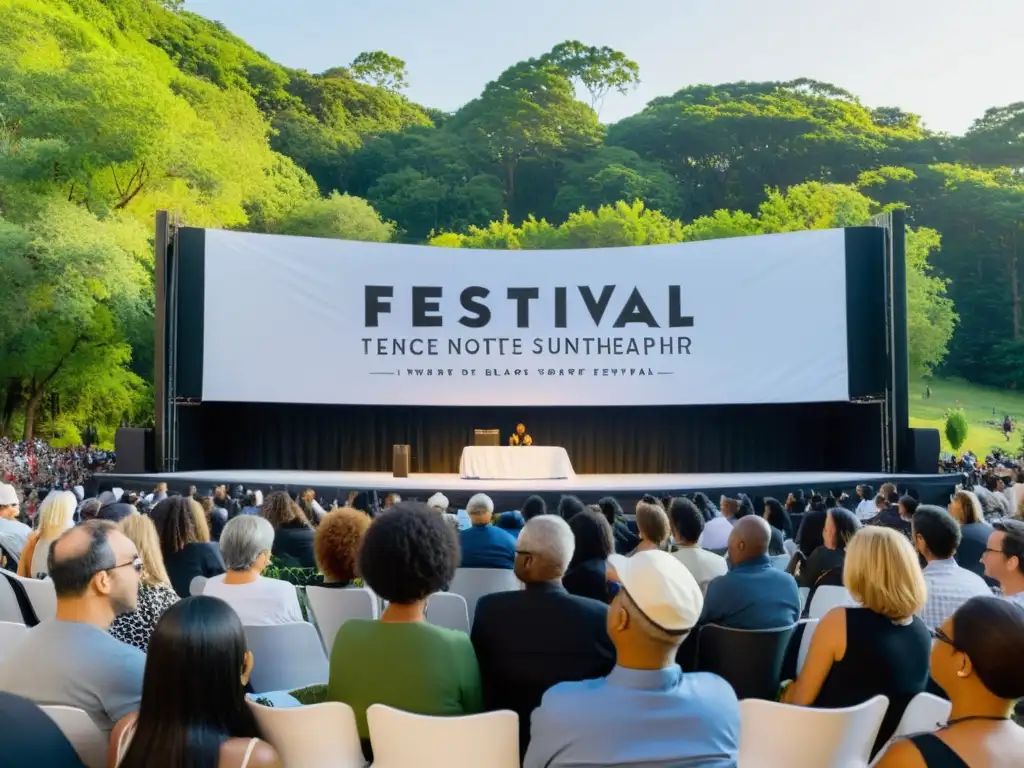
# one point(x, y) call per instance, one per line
point(881, 658)
point(936, 753)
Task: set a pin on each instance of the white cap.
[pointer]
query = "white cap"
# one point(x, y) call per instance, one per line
point(661, 587)
point(8, 496)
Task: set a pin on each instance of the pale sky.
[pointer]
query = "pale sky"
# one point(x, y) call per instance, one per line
point(947, 60)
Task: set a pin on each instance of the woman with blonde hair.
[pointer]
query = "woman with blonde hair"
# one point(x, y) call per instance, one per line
point(156, 594)
point(56, 515)
point(965, 508)
point(201, 520)
point(879, 648)
point(652, 525)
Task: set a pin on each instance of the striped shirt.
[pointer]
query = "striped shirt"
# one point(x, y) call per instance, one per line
point(949, 587)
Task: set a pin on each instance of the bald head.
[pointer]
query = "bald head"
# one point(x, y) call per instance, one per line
point(83, 552)
point(749, 539)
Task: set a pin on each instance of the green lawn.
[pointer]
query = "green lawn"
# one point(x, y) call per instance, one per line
point(986, 427)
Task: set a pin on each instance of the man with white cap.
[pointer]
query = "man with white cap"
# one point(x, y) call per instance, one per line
point(646, 712)
point(13, 532)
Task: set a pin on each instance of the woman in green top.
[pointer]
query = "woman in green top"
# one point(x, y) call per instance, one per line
point(408, 553)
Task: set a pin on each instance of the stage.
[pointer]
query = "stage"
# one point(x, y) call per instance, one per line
point(934, 489)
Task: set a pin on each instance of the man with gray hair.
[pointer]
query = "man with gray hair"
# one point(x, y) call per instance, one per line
point(245, 546)
point(485, 545)
point(528, 640)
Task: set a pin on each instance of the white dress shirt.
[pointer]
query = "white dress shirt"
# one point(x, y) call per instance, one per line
point(716, 533)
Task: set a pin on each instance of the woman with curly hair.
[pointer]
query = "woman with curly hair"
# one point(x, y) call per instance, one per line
point(185, 553)
point(293, 534)
point(408, 553)
point(337, 545)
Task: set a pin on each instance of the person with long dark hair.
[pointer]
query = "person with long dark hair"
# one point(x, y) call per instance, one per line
point(778, 517)
point(975, 660)
point(186, 555)
point(194, 713)
point(586, 576)
point(824, 567)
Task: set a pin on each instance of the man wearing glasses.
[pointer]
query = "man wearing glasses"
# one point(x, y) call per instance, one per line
point(1004, 558)
point(71, 659)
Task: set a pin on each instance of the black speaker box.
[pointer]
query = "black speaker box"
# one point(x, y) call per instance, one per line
point(923, 447)
point(134, 448)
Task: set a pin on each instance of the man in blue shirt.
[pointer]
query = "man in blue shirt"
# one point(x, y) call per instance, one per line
point(485, 545)
point(753, 595)
point(646, 713)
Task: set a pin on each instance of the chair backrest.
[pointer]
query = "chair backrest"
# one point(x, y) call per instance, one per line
point(286, 657)
point(790, 546)
point(805, 642)
point(776, 735)
point(333, 607)
point(474, 583)
point(88, 740)
point(197, 585)
point(749, 660)
point(314, 736)
point(781, 561)
point(11, 633)
point(447, 609)
point(401, 739)
point(804, 592)
point(41, 594)
point(10, 610)
point(925, 713)
point(8, 560)
point(827, 597)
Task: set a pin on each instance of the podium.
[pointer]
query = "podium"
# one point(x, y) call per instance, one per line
point(401, 458)
point(486, 437)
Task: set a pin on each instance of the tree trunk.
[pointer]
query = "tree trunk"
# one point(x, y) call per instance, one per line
point(510, 180)
point(12, 400)
point(30, 411)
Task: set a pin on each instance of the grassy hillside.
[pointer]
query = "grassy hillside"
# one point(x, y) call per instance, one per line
point(985, 409)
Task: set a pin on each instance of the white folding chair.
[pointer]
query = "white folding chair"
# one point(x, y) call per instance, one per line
point(925, 713)
point(828, 738)
point(780, 561)
point(805, 642)
point(334, 742)
point(11, 633)
point(42, 596)
point(790, 547)
point(10, 611)
point(447, 609)
point(286, 657)
point(401, 739)
point(828, 597)
point(197, 585)
point(333, 607)
point(474, 583)
point(88, 740)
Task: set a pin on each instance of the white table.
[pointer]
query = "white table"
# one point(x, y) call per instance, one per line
point(527, 462)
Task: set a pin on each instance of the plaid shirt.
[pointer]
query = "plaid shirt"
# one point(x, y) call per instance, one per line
point(949, 587)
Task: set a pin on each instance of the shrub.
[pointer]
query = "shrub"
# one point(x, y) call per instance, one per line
point(956, 428)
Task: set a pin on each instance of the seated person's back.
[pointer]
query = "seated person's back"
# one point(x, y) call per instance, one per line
point(293, 533)
point(881, 648)
point(528, 640)
point(187, 553)
point(482, 544)
point(72, 660)
point(245, 545)
point(754, 594)
point(194, 710)
point(31, 738)
point(646, 712)
point(408, 553)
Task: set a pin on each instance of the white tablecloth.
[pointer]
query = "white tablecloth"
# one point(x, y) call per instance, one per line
point(534, 462)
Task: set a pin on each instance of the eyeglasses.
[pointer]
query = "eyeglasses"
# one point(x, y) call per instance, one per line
point(942, 637)
point(995, 551)
point(135, 564)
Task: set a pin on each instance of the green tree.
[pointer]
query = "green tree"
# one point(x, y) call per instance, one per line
point(339, 216)
point(530, 111)
point(956, 428)
point(931, 318)
point(598, 70)
point(380, 69)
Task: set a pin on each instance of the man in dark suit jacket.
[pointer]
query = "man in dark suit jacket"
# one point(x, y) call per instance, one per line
point(526, 641)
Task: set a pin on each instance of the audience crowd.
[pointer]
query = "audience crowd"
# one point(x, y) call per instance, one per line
point(597, 653)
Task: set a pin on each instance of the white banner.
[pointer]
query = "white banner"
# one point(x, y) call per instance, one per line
point(744, 320)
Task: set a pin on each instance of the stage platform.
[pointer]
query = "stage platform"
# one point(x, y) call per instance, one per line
point(507, 494)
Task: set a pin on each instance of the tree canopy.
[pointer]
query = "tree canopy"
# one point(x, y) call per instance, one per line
point(113, 109)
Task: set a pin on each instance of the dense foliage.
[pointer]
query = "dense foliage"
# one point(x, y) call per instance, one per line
point(113, 109)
